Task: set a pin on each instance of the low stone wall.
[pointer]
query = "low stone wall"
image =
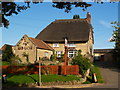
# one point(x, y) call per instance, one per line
point(74, 82)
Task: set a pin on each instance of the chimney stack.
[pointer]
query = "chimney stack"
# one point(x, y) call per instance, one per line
point(88, 17)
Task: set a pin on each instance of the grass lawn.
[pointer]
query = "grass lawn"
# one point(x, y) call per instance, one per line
point(8, 63)
point(21, 79)
point(4, 63)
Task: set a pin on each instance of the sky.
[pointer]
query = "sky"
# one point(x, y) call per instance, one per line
point(38, 16)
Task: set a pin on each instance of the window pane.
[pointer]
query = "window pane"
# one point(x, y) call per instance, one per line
point(55, 44)
point(46, 54)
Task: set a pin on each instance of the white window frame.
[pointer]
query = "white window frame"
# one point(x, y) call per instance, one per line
point(55, 44)
point(58, 53)
point(46, 54)
point(73, 53)
point(71, 44)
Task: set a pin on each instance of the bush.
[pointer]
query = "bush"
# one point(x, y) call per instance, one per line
point(52, 64)
point(83, 62)
point(15, 60)
point(7, 54)
point(53, 57)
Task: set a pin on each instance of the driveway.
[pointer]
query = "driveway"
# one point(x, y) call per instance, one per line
point(110, 75)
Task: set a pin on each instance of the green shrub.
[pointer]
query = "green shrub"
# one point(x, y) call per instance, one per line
point(7, 54)
point(83, 62)
point(53, 56)
point(52, 64)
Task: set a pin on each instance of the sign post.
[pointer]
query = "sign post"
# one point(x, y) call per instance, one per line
point(65, 56)
point(39, 74)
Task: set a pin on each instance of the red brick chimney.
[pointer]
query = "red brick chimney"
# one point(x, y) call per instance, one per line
point(88, 16)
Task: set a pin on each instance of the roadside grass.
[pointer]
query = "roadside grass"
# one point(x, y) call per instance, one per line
point(96, 70)
point(98, 74)
point(22, 79)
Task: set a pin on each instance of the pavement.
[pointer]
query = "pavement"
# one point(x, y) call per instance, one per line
point(71, 86)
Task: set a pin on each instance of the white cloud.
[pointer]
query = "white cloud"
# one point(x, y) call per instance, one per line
point(104, 23)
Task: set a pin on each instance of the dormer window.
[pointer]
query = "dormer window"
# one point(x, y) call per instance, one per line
point(55, 44)
point(71, 44)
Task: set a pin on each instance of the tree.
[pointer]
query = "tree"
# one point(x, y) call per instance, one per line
point(7, 53)
point(76, 17)
point(10, 8)
point(116, 39)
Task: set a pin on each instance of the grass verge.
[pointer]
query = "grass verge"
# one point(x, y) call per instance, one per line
point(22, 79)
point(96, 70)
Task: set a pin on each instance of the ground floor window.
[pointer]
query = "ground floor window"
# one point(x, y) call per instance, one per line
point(46, 54)
point(71, 54)
point(59, 53)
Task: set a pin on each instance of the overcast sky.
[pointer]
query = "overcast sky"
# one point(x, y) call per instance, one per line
point(36, 18)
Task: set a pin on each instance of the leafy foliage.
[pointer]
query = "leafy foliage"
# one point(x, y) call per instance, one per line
point(76, 17)
point(116, 39)
point(10, 8)
point(83, 62)
point(15, 60)
point(68, 5)
point(7, 53)
point(53, 56)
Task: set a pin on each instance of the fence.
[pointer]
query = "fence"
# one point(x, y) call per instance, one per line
point(52, 69)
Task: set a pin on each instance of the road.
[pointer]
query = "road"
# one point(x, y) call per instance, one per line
point(110, 74)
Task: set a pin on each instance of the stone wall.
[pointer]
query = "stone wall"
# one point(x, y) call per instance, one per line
point(41, 53)
point(25, 46)
point(87, 48)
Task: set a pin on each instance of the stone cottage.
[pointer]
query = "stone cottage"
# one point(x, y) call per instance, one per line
point(34, 48)
point(78, 32)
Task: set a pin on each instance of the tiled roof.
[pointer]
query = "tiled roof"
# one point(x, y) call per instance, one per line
point(40, 44)
point(103, 50)
point(4, 46)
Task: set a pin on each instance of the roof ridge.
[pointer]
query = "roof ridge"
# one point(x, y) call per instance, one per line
point(42, 42)
point(71, 20)
point(32, 40)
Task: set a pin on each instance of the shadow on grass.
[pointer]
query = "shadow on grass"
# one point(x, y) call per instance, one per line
point(34, 80)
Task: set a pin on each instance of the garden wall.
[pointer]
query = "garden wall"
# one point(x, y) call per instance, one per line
point(52, 69)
